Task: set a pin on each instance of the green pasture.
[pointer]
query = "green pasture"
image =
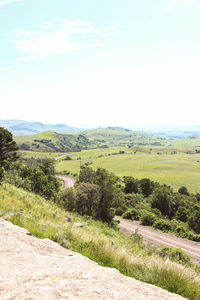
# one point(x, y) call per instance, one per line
point(173, 169)
point(189, 142)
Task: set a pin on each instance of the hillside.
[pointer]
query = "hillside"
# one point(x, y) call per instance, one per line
point(67, 272)
point(91, 139)
point(53, 142)
point(20, 127)
point(67, 275)
point(117, 136)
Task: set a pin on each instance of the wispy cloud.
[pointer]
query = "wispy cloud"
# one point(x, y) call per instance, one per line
point(6, 2)
point(56, 38)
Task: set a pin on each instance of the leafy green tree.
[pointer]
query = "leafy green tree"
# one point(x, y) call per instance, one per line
point(87, 174)
point(162, 199)
point(87, 199)
point(183, 190)
point(48, 166)
point(131, 185)
point(8, 148)
point(146, 186)
point(107, 183)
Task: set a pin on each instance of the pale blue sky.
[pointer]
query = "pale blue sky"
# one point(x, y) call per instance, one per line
point(100, 62)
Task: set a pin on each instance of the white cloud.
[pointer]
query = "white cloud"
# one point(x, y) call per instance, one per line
point(58, 38)
point(6, 2)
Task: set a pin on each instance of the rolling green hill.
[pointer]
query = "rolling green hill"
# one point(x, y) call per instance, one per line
point(52, 142)
point(98, 138)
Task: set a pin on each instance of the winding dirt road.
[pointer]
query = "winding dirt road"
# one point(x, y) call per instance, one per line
point(67, 181)
point(161, 239)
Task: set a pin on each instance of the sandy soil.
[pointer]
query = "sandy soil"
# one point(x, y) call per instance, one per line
point(67, 181)
point(40, 269)
point(161, 239)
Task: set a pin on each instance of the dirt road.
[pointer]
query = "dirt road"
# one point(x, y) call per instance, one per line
point(161, 239)
point(67, 181)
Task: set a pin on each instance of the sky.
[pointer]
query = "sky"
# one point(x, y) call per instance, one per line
point(92, 63)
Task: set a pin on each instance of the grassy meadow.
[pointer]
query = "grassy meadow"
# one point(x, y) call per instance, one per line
point(166, 167)
point(98, 241)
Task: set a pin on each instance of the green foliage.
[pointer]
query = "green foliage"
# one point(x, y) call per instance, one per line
point(162, 200)
point(8, 148)
point(131, 185)
point(175, 254)
point(148, 218)
point(146, 186)
point(182, 214)
point(37, 179)
point(132, 213)
point(183, 190)
point(194, 219)
point(87, 199)
point(163, 225)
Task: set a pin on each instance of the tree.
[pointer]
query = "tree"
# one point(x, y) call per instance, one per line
point(8, 148)
point(183, 190)
point(194, 219)
point(162, 199)
point(146, 186)
point(131, 185)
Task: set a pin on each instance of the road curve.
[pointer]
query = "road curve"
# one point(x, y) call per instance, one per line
point(161, 239)
point(67, 181)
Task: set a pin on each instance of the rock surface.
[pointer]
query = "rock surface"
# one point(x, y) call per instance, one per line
point(32, 268)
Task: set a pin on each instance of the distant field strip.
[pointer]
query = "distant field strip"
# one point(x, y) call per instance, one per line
point(173, 169)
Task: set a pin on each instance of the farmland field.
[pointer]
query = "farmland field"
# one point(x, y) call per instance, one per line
point(165, 167)
point(168, 165)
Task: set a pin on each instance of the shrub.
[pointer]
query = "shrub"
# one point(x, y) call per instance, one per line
point(132, 214)
point(182, 214)
point(183, 190)
point(175, 254)
point(147, 218)
point(163, 225)
point(181, 231)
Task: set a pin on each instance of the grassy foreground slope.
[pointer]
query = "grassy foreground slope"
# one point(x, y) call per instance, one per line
point(97, 241)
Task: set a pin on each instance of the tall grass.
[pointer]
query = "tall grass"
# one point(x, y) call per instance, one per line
point(96, 240)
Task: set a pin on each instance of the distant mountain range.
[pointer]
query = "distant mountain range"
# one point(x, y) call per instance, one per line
point(20, 127)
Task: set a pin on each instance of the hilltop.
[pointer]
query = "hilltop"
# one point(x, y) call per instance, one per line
point(91, 139)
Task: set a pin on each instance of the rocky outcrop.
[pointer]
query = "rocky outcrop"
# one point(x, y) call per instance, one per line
point(32, 268)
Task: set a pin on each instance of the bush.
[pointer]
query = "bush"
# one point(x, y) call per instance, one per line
point(175, 254)
point(147, 218)
point(163, 225)
point(181, 231)
point(132, 214)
